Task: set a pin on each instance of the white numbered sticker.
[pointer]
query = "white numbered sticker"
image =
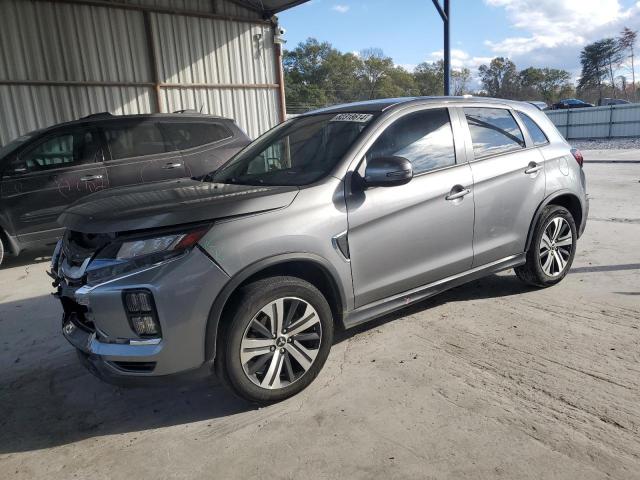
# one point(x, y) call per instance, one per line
point(352, 117)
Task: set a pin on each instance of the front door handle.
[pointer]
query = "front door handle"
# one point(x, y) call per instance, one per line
point(457, 193)
point(533, 168)
point(88, 178)
point(171, 166)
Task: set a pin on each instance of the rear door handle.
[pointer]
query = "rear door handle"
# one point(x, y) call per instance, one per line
point(533, 168)
point(171, 166)
point(88, 178)
point(458, 194)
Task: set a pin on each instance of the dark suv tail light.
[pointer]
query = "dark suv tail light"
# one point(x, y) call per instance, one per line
point(577, 154)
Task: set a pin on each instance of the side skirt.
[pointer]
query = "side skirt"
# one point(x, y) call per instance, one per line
point(387, 305)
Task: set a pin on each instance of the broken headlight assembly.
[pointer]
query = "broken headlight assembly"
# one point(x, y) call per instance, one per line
point(128, 254)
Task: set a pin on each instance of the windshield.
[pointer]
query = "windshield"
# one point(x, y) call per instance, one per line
point(298, 152)
point(15, 143)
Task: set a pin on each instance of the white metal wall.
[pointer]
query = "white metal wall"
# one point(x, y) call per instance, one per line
point(61, 61)
point(598, 122)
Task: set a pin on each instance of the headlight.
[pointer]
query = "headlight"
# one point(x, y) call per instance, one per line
point(134, 253)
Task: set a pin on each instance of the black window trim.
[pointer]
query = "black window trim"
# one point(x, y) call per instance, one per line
point(477, 158)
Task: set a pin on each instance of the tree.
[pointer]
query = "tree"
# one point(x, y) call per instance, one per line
point(546, 83)
point(460, 80)
point(627, 43)
point(593, 59)
point(499, 78)
point(429, 78)
point(373, 68)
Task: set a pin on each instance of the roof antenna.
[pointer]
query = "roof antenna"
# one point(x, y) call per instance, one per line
point(201, 107)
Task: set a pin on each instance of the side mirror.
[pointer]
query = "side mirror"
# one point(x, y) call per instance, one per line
point(388, 172)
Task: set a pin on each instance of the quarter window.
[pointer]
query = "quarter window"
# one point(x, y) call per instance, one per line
point(60, 151)
point(493, 130)
point(189, 135)
point(424, 138)
point(536, 133)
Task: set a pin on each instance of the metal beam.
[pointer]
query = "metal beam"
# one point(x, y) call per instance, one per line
point(90, 83)
point(445, 15)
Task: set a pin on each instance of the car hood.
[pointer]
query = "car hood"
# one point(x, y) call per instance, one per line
point(170, 203)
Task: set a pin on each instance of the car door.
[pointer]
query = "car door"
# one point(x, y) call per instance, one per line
point(138, 153)
point(48, 175)
point(509, 182)
point(203, 144)
point(411, 235)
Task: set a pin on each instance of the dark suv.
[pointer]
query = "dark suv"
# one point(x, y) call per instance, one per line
point(43, 172)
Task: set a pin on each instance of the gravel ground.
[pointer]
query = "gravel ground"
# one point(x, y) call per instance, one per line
point(489, 380)
point(607, 144)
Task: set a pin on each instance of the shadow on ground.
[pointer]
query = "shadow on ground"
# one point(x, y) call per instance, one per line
point(54, 401)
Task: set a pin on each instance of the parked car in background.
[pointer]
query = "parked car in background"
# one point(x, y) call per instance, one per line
point(612, 101)
point(333, 218)
point(539, 104)
point(43, 172)
point(571, 103)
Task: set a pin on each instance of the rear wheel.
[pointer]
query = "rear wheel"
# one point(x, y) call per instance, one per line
point(552, 248)
point(277, 340)
point(3, 248)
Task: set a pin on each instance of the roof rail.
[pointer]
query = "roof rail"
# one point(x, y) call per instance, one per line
point(187, 110)
point(98, 115)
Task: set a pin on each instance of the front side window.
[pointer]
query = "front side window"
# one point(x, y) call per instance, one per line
point(59, 151)
point(424, 138)
point(135, 140)
point(189, 135)
point(493, 131)
point(536, 133)
point(298, 152)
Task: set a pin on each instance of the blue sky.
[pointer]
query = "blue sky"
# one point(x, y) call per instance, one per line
point(531, 32)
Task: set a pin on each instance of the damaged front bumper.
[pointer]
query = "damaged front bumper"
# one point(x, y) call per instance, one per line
point(95, 319)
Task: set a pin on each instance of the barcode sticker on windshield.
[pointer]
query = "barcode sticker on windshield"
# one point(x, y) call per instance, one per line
point(352, 117)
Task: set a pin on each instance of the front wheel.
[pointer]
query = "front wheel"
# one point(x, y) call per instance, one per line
point(552, 249)
point(277, 339)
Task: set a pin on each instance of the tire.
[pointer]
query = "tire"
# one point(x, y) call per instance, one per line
point(264, 369)
point(551, 252)
point(3, 248)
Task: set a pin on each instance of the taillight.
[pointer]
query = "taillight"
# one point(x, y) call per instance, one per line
point(577, 154)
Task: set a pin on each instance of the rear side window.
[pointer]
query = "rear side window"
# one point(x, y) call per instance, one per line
point(135, 140)
point(189, 135)
point(424, 138)
point(63, 150)
point(536, 133)
point(493, 131)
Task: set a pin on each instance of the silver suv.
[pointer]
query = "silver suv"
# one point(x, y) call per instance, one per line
point(328, 220)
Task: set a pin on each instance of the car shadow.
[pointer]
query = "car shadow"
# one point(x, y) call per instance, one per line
point(54, 401)
point(29, 257)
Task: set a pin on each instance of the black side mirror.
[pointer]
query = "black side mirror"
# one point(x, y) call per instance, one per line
point(388, 172)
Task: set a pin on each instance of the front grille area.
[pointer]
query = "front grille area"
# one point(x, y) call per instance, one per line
point(77, 314)
point(77, 246)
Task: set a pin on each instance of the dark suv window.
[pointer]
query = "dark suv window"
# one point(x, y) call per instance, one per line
point(63, 150)
point(135, 139)
point(424, 138)
point(189, 135)
point(493, 130)
point(536, 133)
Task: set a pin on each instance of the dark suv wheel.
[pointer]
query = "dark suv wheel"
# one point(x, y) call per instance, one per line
point(3, 248)
point(276, 340)
point(552, 249)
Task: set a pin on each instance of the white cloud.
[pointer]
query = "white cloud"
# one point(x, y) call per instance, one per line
point(557, 30)
point(340, 8)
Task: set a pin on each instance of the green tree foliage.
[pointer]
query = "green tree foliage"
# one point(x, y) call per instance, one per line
point(627, 42)
point(598, 60)
point(500, 78)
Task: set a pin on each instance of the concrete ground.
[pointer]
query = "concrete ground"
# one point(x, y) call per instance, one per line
point(490, 380)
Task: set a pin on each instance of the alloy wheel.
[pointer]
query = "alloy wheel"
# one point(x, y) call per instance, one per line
point(555, 247)
point(281, 343)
